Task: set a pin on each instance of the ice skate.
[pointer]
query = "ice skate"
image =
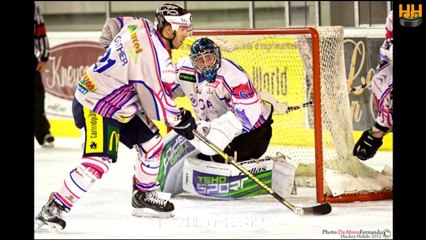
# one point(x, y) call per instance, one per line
point(48, 141)
point(152, 204)
point(50, 217)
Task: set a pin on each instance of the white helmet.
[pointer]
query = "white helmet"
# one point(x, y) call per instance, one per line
point(172, 14)
point(386, 55)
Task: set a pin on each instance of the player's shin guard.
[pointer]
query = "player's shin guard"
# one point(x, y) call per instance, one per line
point(147, 164)
point(146, 200)
point(80, 180)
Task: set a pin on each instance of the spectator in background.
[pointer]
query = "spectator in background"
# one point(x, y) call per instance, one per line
point(41, 56)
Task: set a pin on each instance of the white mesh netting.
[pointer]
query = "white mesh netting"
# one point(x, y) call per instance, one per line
point(281, 64)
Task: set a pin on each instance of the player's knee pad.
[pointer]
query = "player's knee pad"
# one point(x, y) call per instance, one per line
point(150, 149)
point(96, 166)
point(90, 170)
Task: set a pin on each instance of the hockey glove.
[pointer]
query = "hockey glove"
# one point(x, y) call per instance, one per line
point(186, 125)
point(367, 146)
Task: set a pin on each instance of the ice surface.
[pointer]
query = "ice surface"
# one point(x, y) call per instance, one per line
point(105, 211)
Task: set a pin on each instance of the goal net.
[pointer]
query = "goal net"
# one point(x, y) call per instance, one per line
point(297, 66)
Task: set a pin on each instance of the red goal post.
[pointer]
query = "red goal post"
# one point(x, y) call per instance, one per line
point(297, 65)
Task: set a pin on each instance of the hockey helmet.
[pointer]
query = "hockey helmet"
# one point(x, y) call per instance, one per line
point(206, 57)
point(389, 53)
point(386, 53)
point(172, 14)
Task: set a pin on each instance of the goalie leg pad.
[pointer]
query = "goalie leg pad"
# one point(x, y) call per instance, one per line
point(283, 174)
point(81, 179)
point(176, 149)
point(218, 180)
point(147, 163)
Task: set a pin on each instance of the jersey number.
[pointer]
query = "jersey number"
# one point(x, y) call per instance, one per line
point(105, 62)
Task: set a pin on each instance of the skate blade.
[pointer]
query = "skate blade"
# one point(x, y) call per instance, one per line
point(48, 145)
point(42, 227)
point(149, 213)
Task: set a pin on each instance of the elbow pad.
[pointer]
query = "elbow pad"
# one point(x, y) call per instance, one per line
point(110, 30)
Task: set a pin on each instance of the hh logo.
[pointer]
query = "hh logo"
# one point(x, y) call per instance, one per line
point(410, 16)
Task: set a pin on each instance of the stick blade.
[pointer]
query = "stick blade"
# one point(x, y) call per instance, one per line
point(282, 107)
point(322, 209)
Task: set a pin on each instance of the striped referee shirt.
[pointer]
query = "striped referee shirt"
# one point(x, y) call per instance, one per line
point(41, 43)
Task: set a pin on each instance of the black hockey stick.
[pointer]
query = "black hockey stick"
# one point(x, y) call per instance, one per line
point(321, 209)
point(282, 107)
point(292, 108)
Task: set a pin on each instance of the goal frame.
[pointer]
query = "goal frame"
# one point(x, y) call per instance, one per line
point(321, 197)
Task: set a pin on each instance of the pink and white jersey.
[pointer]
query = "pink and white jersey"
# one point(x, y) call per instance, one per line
point(389, 26)
point(132, 76)
point(231, 91)
point(382, 86)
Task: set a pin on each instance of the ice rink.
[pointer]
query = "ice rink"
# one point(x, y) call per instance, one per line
point(105, 211)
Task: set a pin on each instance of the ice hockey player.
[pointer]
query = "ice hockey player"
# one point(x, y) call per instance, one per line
point(230, 113)
point(381, 86)
point(116, 100)
point(226, 103)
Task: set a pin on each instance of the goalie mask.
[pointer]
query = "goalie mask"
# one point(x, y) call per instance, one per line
point(205, 56)
point(174, 15)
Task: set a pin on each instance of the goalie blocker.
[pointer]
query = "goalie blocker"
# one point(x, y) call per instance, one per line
point(181, 171)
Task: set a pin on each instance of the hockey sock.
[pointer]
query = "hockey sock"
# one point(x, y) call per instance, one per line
point(80, 180)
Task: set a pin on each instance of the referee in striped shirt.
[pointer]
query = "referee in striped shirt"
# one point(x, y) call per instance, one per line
point(41, 56)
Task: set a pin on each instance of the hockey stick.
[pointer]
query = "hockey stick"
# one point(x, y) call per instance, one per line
point(321, 209)
point(282, 107)
point(292, 108)
point(358, 88)
point(365, 83)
